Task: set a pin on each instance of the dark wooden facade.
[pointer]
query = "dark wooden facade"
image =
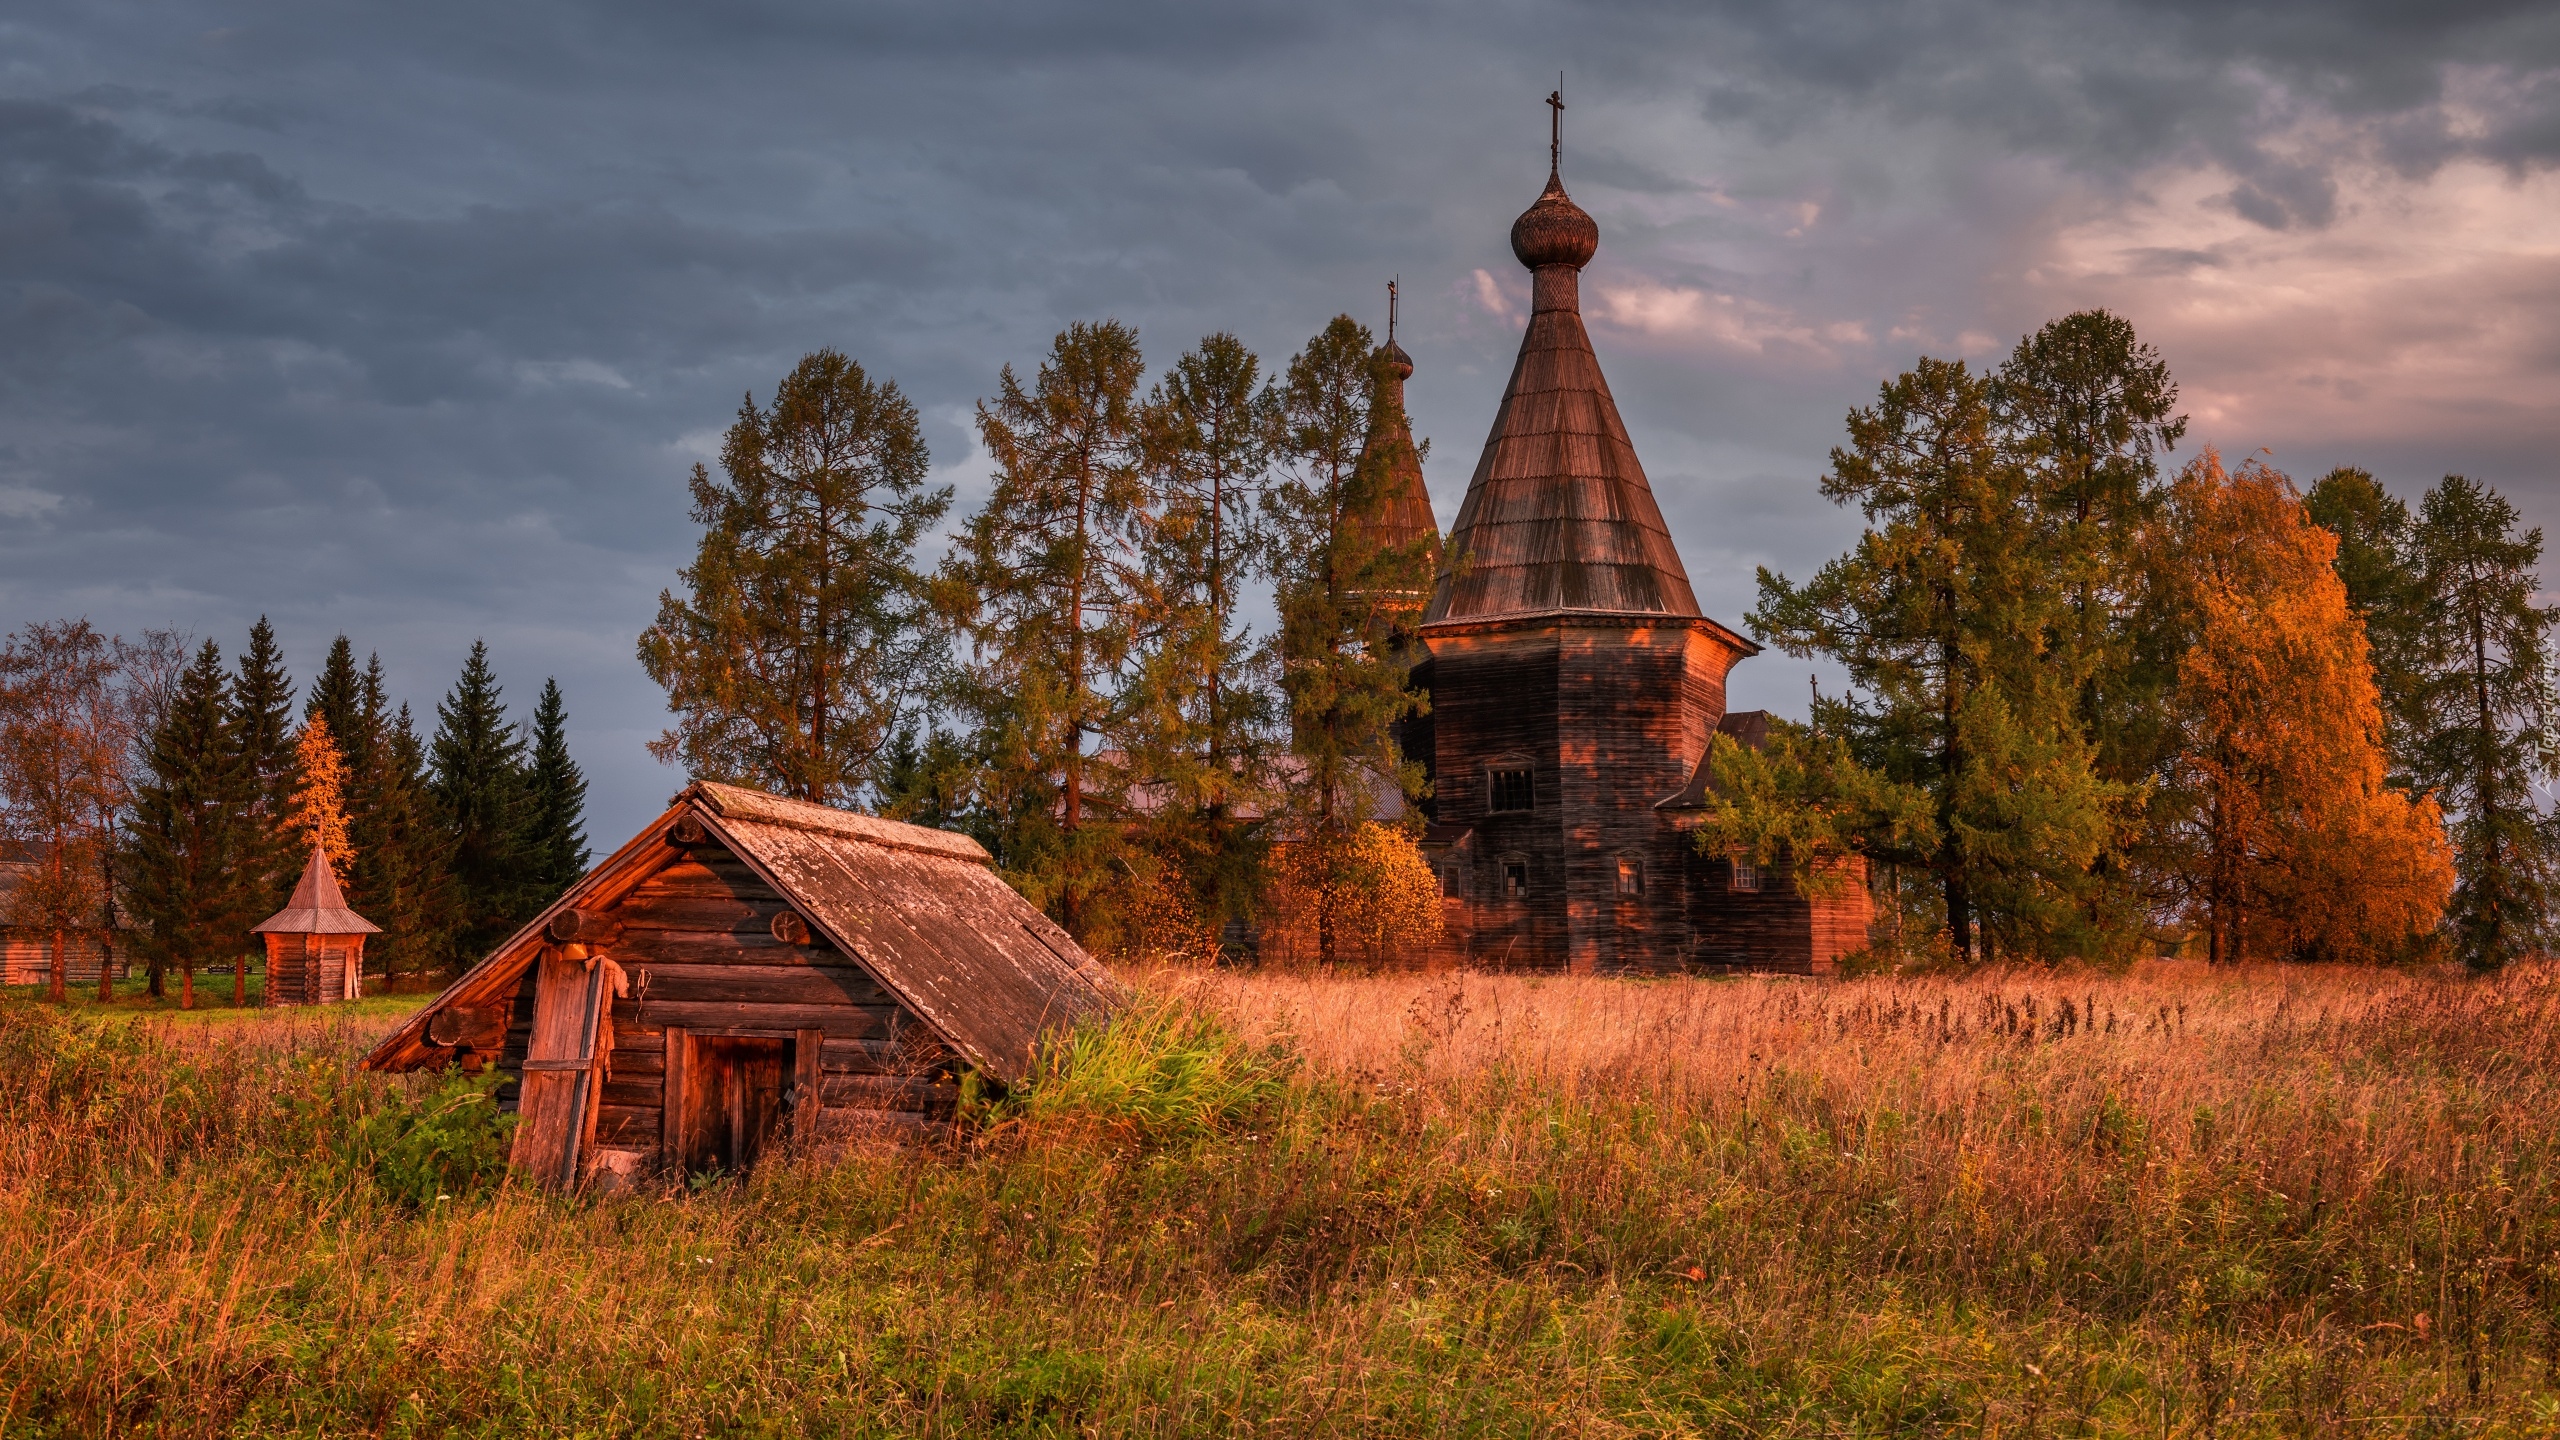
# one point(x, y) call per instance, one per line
point(753, 971)
point(1574, 683)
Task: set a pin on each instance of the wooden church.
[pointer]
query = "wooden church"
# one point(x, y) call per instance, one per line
point(1574, 684)
point(750, 971)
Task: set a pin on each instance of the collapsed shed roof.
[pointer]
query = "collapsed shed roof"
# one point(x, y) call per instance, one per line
point(921, 910)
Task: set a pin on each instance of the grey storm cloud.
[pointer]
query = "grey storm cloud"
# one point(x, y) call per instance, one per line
point(408, 321)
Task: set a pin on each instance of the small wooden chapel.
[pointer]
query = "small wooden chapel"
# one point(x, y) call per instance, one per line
point(315, 944)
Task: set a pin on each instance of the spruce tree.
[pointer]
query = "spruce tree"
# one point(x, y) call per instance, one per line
point(2491, 718)
point(402, 869)
point(801, 646)
point(557, 805)
point(476, 768)
point(337, 697)
point(262, 735)
point(183, 888)
point(1043, 585)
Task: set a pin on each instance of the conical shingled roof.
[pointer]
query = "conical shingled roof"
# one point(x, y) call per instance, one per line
point(1559, 515)
point(1403, 515)
point(317, 907)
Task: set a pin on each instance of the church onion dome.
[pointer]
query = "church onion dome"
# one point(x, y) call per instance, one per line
point(1396, 359)
point(1555, 231)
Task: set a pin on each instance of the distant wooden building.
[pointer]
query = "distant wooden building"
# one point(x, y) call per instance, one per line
point(750, 969)
point(26, 951)
point(1574, 686)
point(315, 944)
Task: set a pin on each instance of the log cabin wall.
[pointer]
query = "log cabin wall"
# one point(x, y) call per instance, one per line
point(1776, 928)
point(1611, 714)
point(1493, 698)
point(696, 941)
point(1635, 702)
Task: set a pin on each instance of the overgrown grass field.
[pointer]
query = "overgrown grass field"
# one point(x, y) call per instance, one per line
point(2271, 1202)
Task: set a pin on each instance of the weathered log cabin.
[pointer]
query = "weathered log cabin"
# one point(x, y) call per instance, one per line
point(750, 970)
point(1575, 685)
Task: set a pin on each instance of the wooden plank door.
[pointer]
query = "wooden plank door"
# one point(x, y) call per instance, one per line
point(730, 1099)
point(572, 1034)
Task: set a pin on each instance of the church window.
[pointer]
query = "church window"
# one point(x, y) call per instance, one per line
point(1630, 875)
point(1746, 875)
point(1512, 789)
point(1515, 878)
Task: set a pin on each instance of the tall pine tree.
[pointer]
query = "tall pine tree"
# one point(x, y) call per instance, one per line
point(1198, 696)
point(2492, 719)
point(477, 775)
point(556, 835)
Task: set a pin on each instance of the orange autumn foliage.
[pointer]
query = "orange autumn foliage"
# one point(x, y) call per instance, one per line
point(318, 818)
point(1385, 898)
point(2291, 846)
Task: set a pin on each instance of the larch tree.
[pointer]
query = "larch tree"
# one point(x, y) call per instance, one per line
point(557, 838)
point(2387, 591)
point(184, 839)
point(1944, 615)
point(2088, 409)
point(317, 817)
point(2489, 717)
point(2294, 845)
point(1344, 665)
point(1197, 698)
point(1043, 583)
point(801, 648)
point(64, 750)
point(476, 774)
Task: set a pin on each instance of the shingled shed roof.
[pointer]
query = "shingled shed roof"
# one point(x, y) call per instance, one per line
point(921, 910)
point(1559, 515)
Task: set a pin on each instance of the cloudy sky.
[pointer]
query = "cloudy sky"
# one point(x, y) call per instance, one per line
point(407, 321)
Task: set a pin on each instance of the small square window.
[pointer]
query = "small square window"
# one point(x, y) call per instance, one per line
point(1515, 879)
point(1453, 881)
point(1746, 875)
point(1513, 789)
point(1630, 875)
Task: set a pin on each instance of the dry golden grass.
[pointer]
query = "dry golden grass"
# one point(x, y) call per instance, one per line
point(2271, 1202)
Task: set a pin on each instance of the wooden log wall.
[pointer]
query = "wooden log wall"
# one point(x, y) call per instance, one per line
point(697, 942)
point(1611, 718)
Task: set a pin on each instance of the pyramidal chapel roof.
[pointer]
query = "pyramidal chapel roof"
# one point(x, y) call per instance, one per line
point(1559, 515)
point(318, 907)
